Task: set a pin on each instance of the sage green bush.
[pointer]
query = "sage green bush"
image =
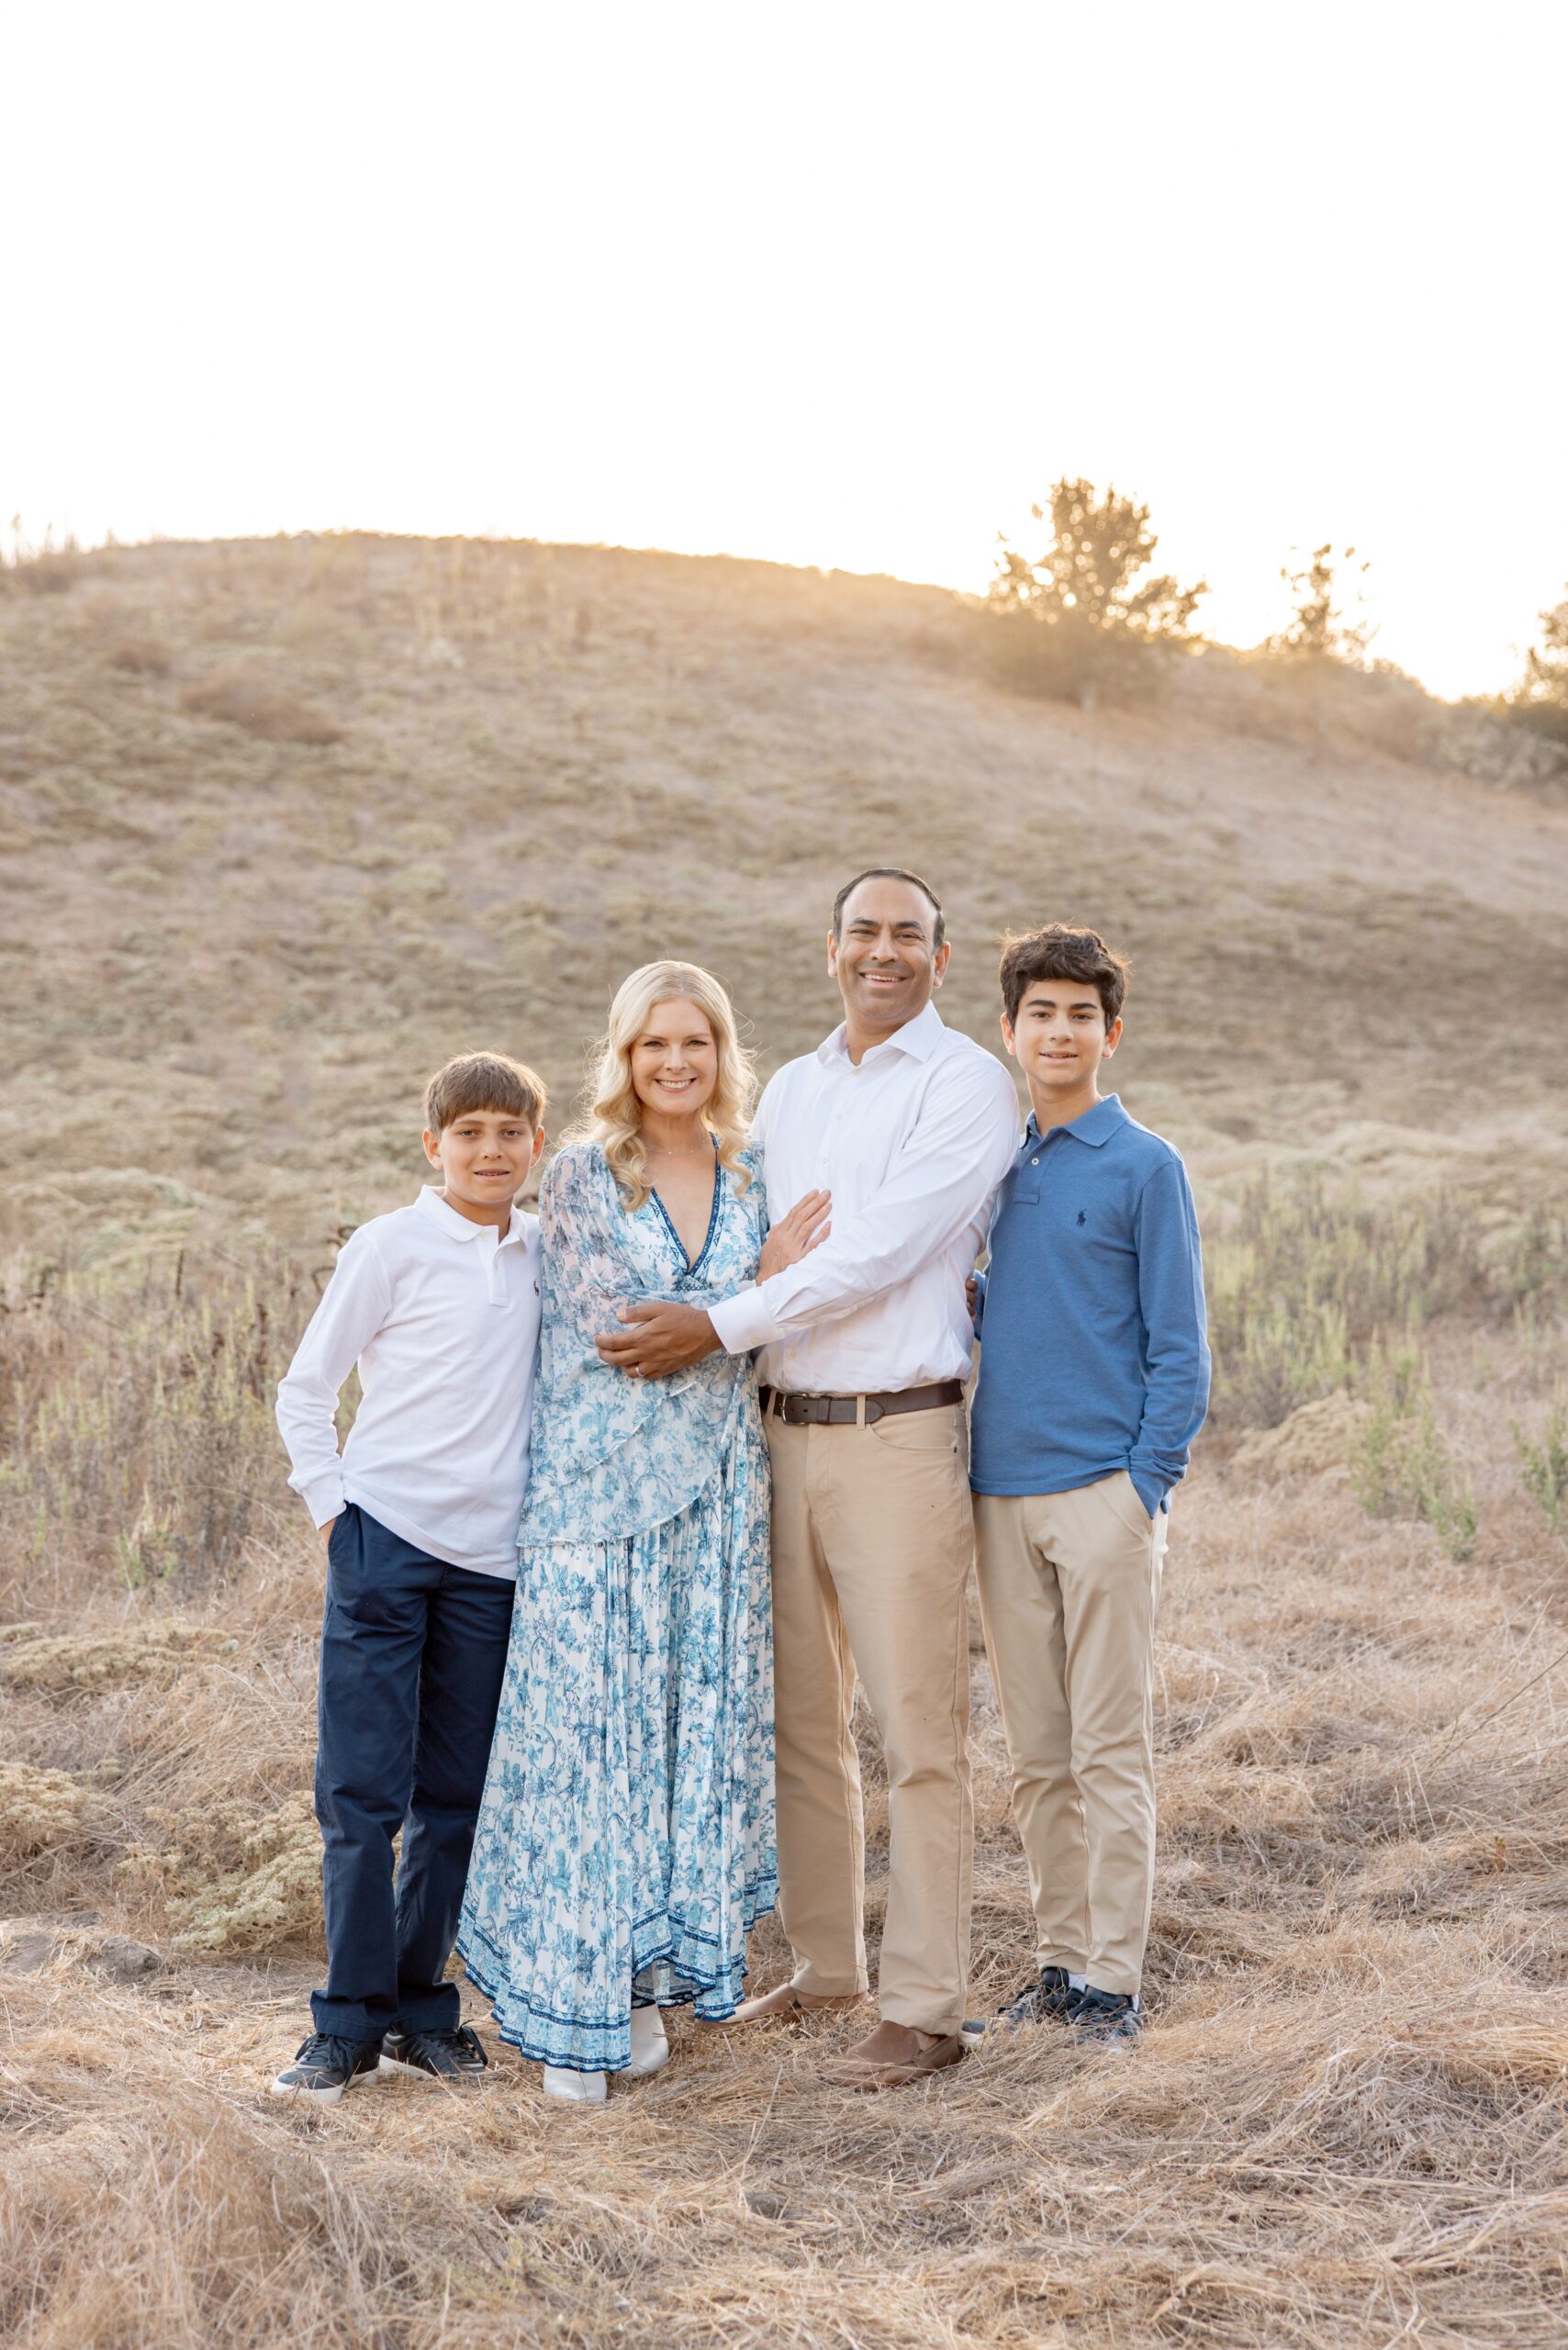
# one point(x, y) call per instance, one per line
point(1304, 1285)
point(1543, 1463)
point(1401, 1463)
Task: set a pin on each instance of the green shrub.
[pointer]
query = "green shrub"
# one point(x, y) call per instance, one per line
point(1401, 1465)
point(1302, 1285)
point(1544, 1465)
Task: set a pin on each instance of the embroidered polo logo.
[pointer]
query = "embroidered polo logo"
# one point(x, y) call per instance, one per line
point(1080, 1215)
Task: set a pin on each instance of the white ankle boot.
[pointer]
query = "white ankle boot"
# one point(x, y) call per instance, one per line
point(650, 2054)
point(650, 2048)
point(573, 2089)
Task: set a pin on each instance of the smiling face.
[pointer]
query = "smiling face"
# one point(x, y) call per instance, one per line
point(675, 1059)
point(1059, 1040)
point(884, 958)
point(485, 1155)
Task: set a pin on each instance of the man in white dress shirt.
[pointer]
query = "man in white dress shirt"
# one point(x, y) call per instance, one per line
point(865, 1349)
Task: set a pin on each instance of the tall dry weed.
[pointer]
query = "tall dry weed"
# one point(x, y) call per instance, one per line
point(137, 1441)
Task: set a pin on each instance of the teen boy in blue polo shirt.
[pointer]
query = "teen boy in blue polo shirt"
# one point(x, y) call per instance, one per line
point(1094, 1379)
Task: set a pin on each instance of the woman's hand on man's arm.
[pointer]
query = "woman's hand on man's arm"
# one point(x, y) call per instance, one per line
point(805, 1228)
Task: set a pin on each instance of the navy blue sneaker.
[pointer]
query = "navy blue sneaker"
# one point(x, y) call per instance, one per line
point(1104, 2014)
point(1051, 2000)
point(327, 2065)
point(455, 2055)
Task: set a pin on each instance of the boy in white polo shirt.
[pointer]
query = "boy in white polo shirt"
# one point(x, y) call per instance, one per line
point(438, 1303)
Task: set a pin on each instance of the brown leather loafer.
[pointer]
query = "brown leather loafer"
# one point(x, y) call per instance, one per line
point(893, 2056)
point(786, 2004)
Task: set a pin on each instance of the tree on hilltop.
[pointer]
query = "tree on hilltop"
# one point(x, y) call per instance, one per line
point(1073, 620)
point(1322, 629)
point(1540, 700)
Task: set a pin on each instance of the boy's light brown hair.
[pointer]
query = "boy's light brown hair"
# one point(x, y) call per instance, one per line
point(483, 1081)
point(1058, 951)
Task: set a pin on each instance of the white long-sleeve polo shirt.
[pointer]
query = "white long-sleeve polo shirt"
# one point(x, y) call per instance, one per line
point(914, 1143)
point(442, 1314)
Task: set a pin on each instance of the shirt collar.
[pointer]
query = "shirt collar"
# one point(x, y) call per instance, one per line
point(1095, 1127)
point(918, 1037)
point(462, 1227)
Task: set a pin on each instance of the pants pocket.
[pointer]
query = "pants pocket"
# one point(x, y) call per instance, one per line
point(942, 1432)
point(1124, 1498)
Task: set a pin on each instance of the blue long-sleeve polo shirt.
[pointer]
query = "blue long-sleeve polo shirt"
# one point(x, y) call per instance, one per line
point(1093, 1342)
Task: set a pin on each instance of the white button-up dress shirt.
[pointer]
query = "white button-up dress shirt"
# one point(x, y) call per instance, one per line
point(912, 1144)
point(442, 1316)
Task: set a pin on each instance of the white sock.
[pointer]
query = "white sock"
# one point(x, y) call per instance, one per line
point(1077, 1982)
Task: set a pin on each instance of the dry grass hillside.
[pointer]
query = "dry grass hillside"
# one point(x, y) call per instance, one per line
point(281, 824)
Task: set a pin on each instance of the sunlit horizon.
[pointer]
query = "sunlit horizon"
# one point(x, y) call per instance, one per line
point(847, 291)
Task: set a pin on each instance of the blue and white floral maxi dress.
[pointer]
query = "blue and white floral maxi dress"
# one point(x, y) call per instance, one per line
point(625, 1843)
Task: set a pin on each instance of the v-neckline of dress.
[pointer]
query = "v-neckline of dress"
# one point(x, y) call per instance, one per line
point(691, 1263)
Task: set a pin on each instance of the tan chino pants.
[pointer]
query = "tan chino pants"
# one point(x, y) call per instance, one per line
point(1068, 1586)
point(872, 1538)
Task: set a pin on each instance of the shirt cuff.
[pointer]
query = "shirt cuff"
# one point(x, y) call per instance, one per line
point(743, 1321)
point(1149, 1490)
point(323, 1497)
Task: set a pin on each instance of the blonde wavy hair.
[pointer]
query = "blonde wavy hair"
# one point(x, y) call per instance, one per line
point(612, 1115)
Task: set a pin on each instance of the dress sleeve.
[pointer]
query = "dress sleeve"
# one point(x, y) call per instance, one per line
point(587, 1271)
point(757, 1191)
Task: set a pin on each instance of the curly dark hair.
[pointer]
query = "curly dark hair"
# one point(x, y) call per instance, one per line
point(1061, 951)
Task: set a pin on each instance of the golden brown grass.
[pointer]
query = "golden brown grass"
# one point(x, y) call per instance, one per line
point(227, 958)
point(1346, 2123)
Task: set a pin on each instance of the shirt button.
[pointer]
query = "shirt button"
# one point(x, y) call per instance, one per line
point(1034, 1162)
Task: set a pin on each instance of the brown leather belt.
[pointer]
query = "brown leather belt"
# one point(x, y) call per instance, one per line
point(836, 1410)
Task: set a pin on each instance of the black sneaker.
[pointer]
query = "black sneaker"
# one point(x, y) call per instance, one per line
point(1104, 2014)
point(326, 2065)
point(454, 2054)
point(1051, 2000)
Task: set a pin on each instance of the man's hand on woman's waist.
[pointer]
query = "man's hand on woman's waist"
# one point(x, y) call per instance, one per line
point(659, 1339)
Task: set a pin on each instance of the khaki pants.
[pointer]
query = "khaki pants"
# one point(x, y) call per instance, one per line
point(873, 1534)
point(1068, 1585)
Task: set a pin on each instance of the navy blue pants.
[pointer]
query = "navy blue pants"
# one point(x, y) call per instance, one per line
point(412, 1655)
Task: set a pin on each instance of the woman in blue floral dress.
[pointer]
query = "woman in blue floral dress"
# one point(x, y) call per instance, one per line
point(625, 1844)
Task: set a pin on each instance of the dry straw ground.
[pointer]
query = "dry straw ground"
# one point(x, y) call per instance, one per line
point(284, 823)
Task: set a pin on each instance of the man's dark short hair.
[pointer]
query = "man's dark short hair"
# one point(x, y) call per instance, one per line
point(483, 1081)
point(888, 873)
point(1058, 951)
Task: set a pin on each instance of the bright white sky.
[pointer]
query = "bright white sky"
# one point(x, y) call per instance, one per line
point(847, 284)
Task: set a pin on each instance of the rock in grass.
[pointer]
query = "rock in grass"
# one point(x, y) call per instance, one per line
point(28, 1950)
point(124, 1961)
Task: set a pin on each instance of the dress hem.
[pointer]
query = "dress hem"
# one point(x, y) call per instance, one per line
point(761, 1902)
